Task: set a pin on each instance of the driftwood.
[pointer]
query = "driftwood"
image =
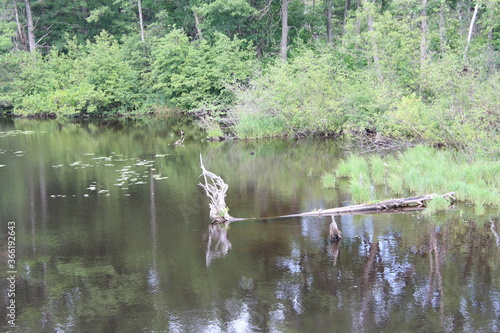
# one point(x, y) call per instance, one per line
point(216, 189)
point(401, 205)
point(392, 205)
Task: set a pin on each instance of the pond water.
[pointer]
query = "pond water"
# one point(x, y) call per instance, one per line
point(112, 234)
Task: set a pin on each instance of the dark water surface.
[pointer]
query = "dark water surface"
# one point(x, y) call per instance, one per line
point(112, 235)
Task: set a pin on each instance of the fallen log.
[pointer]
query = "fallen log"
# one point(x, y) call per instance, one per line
point(401, 205)
point(391, 204)
point(216, 189)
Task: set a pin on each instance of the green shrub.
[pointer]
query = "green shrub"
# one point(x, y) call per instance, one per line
point(197, 75)
point(301, 94)
point(86, 79)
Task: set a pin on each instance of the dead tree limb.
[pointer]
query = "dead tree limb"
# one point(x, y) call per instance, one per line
point(216, 189)
point(417, 203)
point(335, 234)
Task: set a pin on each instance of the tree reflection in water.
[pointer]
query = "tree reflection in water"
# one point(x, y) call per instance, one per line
point(218, 244)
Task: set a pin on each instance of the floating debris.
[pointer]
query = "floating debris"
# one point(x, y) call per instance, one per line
point(14, 133)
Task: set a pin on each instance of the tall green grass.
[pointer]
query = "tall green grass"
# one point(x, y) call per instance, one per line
point(353, 167)
point(328, 180)
point(422, 170)
point(377, 170)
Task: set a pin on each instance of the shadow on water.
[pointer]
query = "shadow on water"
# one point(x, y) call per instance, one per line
point(113, 235)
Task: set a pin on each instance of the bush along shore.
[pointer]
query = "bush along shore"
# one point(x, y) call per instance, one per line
point(416, 171)
point(379, 71)
point(390, 68)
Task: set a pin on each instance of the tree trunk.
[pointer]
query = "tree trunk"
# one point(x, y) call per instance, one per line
point(197, 24)
point(491, 8)
point(20, 34)
point(141, 22)
point(423, 36)
point(442, 27)
point(329, 23)
point(31, 27)
point(371, 30)
point(471, 29)
point(284, 29)
point(346, 10)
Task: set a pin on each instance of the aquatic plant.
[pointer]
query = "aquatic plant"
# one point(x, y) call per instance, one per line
point(353, 167)
point(328, 180)
point(360, 190)
point(437, 204)
point(395, 183)
point(377, 170)
point(423, 169)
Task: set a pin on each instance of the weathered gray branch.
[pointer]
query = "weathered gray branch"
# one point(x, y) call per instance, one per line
point(216, 189)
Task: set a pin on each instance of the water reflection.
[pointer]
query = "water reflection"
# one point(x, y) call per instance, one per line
point(150, 261)
point(218, 244)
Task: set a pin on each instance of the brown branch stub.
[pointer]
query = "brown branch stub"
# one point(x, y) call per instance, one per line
point(335, 233)
point(216, 189)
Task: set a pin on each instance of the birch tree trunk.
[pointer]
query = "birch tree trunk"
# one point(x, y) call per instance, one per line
point(141, 22)
point(31, 27)
point(284, 29)
point(197, 25)
point(423, 36)
point(20, 33)
point(471, 29)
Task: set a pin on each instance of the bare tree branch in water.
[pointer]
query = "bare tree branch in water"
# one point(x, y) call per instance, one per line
point(216, 189)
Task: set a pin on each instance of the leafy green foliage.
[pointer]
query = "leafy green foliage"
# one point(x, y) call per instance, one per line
point(88, 79)
point(382, 71)
point(197, 75)
point(296, 94)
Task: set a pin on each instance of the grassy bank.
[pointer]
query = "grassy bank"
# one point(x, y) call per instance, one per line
point(419, 170)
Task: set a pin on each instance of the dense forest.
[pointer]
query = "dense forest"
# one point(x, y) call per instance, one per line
point(398, 69)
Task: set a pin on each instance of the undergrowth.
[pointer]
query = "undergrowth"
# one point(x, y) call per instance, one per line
point(421, 170)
